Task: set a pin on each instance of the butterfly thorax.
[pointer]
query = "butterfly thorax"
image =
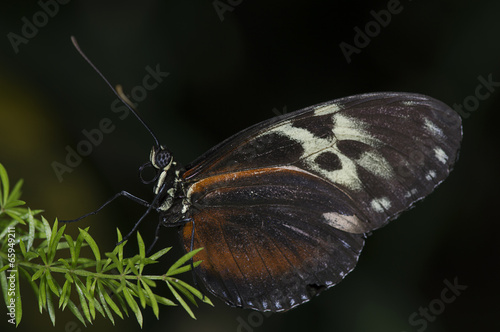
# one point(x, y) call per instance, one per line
point(169, 188)
point(174, 203)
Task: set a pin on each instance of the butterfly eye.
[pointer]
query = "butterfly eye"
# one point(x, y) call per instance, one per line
point(162, 159)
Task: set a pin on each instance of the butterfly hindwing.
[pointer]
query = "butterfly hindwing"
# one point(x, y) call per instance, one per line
point(313, 180)
point(266, 245)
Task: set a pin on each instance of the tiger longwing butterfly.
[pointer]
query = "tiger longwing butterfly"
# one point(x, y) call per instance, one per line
point(283, 208)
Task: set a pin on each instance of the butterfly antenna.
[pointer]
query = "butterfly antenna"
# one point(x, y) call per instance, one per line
point(125, 100)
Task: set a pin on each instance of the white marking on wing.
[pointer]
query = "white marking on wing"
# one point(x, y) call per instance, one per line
point(312, 145)
point(345, 128)
point(349, 224)
point(376, 164)
point(380, 204)
point(351, 129)
point(441, 155)
point(435, 130)
point(410, 193)
point(431, 175)
point(332, 108)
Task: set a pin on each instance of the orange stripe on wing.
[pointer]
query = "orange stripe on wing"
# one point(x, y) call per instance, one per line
point(253, 175)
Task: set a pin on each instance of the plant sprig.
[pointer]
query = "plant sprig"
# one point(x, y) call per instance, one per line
point(50, 261)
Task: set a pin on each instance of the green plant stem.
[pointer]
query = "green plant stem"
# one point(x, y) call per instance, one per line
point(84, 273)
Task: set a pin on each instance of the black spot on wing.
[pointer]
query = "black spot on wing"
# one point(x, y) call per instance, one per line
point(328, 161)
point(353, 149)
point(319, 126)
point(268, 149)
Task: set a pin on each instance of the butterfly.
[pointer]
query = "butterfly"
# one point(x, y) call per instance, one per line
point(282, 209)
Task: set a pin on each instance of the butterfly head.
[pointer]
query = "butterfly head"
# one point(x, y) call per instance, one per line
point(161, 158)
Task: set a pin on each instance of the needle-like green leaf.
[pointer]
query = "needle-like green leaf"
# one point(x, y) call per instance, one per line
point(83, 300)
point(133, 305)
point(181, 300)
point(31, 232)
point(152, 299)
point(15, 193)
point(50, 306)
point(93, 246)
point(4, 193)
point(181, 261)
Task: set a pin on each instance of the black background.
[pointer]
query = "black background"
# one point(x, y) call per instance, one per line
point(262, 59)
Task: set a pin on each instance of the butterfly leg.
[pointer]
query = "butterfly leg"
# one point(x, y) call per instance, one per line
point(177, 223)
point(121, 193)
point(150, 207)
point(191, 247)
point(180, 222)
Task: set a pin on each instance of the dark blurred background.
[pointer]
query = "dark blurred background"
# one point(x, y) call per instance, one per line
point(229, 70)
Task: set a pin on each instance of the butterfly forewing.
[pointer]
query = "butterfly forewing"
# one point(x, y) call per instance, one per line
point(292, 197)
